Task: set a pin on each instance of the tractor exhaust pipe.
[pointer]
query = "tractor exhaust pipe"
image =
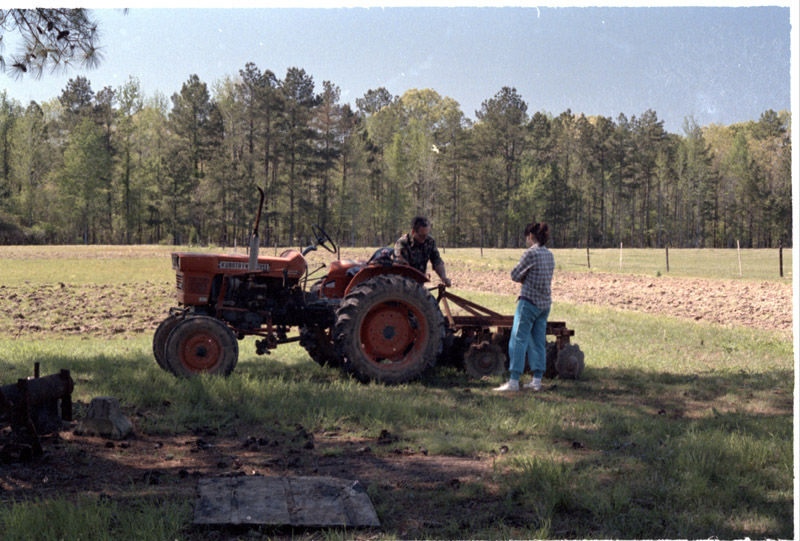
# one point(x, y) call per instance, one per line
point(252, 265)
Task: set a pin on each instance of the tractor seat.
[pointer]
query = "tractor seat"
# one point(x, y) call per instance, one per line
point(349, 266)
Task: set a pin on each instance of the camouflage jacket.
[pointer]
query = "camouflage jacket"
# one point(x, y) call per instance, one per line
point(415, 254)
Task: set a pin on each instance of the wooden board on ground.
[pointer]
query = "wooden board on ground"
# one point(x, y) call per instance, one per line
point(284, 501)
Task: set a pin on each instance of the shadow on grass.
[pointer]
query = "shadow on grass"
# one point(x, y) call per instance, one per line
point(618, 454)
point(665, 455)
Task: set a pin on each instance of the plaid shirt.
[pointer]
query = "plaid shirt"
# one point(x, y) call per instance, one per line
point(415, 254)
point(535, 272)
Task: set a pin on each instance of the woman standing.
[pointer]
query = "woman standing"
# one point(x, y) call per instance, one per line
point(535, 272)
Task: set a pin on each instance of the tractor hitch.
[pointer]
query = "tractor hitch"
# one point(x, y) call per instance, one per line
point(481, 338)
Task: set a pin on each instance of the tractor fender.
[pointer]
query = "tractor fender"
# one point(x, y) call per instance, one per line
point(375, 270)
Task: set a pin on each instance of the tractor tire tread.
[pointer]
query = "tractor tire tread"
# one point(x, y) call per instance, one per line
point(321, 350)
point(160, 337)
point(361, 300)
point(221, 332)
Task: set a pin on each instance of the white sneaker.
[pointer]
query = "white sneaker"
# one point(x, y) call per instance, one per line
point(534, 385)
point(509, 386)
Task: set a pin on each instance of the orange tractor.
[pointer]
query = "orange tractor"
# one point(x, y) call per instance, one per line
point(375, 319)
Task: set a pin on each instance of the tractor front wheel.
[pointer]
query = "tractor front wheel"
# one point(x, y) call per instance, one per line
point(160, 340)
point(201, 345)
point(388, 329)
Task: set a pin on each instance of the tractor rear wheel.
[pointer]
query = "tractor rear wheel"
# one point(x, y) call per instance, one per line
point(388, 329)
point(160, 340)
point(201, 345)
point(318, 343)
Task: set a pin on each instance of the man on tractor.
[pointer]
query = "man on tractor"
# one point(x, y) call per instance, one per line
point(418, 247)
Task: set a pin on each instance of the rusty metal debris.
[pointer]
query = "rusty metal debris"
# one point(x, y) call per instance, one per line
point(32, 407)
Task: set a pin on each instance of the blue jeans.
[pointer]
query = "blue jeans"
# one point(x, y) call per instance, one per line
point(528, 336)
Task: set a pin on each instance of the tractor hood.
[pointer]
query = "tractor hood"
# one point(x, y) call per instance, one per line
point(290, 262)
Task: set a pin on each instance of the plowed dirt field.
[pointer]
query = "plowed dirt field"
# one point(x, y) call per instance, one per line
point(129, 309)
point(761, 305)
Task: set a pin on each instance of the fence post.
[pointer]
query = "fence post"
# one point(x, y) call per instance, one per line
point(739, 256)
point(667, 247)
point(780, 256)
point(588, 263)
point(620, 256)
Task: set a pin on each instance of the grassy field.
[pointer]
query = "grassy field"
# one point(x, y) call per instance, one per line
point(676, 429)
point(697, 263)
point(120, 264)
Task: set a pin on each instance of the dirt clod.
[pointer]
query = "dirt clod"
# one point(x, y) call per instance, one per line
point(756, 304)
point(117, 310)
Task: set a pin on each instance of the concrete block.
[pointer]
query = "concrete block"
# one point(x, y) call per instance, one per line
point(104, 418)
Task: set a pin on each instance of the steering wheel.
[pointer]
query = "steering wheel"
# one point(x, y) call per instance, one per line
point(323, 239)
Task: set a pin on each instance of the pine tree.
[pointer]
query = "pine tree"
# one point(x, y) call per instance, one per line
point(297, 137)
point(505, 117)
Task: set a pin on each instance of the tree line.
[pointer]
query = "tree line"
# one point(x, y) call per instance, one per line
point(114, 166)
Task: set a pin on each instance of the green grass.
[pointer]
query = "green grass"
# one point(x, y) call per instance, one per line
point(88, 271)
point(85, 265)
point(676, 429)
point(761, 264)
point(95, 518)
point(125, 264)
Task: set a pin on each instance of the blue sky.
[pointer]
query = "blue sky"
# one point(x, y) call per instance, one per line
point(718, 64)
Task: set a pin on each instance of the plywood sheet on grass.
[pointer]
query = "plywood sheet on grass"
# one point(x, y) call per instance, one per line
point(284, 501)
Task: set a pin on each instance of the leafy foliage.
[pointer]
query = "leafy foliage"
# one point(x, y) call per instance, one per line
point(185, 170)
